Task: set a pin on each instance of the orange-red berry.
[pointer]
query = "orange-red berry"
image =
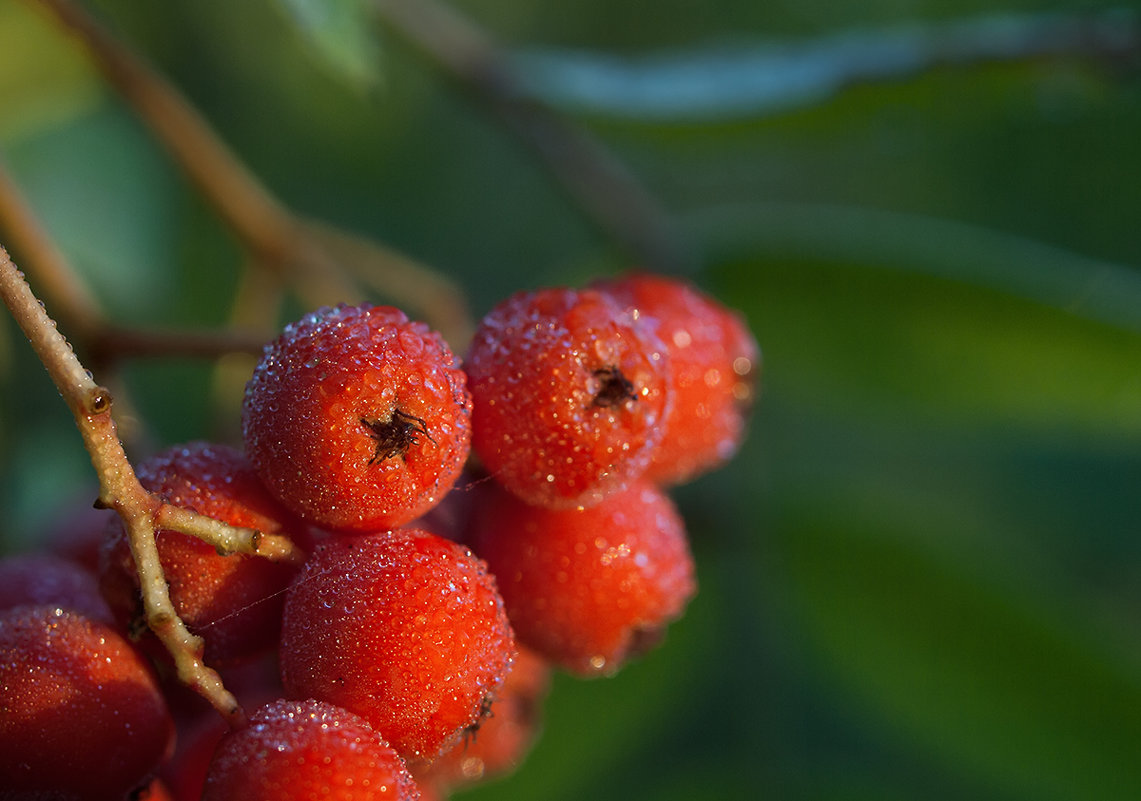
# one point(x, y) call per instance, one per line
point(587, 589)
point(356, 418)
point(404, 628)
point(307, 751)
point(569, 395)
point(713, 368)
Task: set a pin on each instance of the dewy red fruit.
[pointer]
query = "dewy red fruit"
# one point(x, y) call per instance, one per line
point(81, 716)
point(44, 579)
point(714, 364)
point(587, 589)
point(499, 744)
point(357, 419)
point(569, 396)
point(404, 628)
point(233, 601)
point(307, 751)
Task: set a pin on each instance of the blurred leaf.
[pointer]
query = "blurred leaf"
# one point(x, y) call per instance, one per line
point(44, 78)
point(894, 329)
point(338, 32)
point(742, 80)
point(1009, 684)
point(108, 196)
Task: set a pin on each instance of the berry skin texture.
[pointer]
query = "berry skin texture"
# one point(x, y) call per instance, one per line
point(307, 751)
point(357, 419)
point(234, 602)
point(403, 628)
point(44, 579)
point(500, 742)
point(587, 589)
point(81, 716)
point(569, 396)
point(714, 364)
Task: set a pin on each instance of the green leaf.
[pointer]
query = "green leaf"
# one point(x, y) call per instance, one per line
point(848, 322)
point(44, 78)
point(1019, 689)
point(338, 32)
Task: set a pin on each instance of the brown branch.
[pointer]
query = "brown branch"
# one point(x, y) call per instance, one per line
point(119, 489)
point(78, 308)
point(264, 226)
point(279, 240)
point(76, 305)
point(390, 274)
point(118, 343)
point(607, 192)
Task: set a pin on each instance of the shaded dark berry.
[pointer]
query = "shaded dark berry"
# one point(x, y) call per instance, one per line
point(81, 716)
point(233, 601)
point(41, 579)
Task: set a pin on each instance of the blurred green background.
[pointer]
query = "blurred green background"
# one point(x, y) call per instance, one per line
point(921, 577)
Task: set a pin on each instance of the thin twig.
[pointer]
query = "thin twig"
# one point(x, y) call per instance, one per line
point(279, 240)
point(75, 303)
point(609, 194)
point(390, 274)
point(262, 223)
point(120, 343)
point(226, 538)
point(79, 309)
point(119, 489)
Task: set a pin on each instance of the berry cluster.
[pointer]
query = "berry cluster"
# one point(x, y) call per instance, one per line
point(468, 528)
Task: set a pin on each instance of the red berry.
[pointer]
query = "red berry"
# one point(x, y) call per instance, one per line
point(76, 529)
point(404, 628)
point(357, 419)
point(306, 751)
point(199, 727)
point(155, 791)
point(714, 362)
point(569, 396)
point(501, 741)
point(81, 716)
point(588, 588)
point(234, 602)
point(40, 579)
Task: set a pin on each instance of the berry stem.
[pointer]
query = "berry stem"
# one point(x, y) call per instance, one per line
point(226, 538)
point(322, 265)
point(119, 489)
point(75, 303)
point(76, 306)
point(608, 194)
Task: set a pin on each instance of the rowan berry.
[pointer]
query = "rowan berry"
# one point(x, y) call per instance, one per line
point(306, 751)
point(81, 716)
point(233, 601)
point(497, 745)
point(356, 418)
point(43, 579)
point(587, 588)
point(569, 396)
point(713, 366)
point(404, 628)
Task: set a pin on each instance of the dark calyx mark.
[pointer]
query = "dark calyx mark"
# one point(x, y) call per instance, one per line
point(396, 435)
point(614, 388)
point(472, 729)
